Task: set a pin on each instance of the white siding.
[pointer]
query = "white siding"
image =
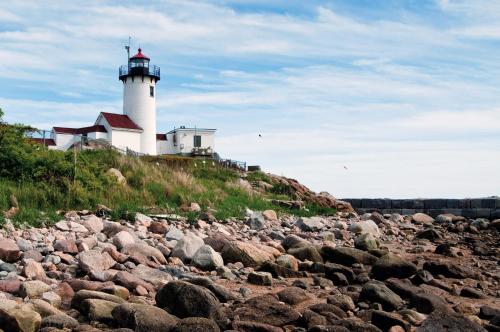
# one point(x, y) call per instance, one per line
point(64, 141)
point(98, 135)
point(126, 139)
point(141, 108)
point(185, 142)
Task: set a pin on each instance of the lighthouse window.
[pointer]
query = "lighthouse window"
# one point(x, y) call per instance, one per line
point(151, 91)
point(197, 141)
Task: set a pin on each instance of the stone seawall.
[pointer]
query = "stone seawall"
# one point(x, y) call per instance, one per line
point(469, 207)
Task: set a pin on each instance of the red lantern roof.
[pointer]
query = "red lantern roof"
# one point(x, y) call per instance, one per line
point(139, 55)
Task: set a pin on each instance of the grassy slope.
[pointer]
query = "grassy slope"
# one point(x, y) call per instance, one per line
point(153, 184)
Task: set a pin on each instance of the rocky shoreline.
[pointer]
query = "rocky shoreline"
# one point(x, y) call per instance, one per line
point(343, 273)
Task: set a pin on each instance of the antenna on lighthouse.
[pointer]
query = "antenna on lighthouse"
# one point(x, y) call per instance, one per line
point(127, 47)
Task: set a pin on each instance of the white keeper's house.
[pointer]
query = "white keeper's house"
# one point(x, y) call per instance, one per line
point(135, 129)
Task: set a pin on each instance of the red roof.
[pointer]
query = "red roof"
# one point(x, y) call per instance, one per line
point(139, 55)
point(47, 141)
point(161, 137)
point(120, 121)
point(84, 130)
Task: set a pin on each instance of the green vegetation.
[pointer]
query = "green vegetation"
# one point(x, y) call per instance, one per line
point(45, 181)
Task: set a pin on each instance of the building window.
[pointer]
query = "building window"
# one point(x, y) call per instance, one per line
point(197, 141)
point(151, 91)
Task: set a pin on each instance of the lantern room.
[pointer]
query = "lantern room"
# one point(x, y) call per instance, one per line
point(138, 65)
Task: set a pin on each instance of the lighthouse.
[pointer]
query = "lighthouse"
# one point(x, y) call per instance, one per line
point(139, 79)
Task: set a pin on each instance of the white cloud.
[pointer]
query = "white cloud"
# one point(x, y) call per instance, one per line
point(409, 105)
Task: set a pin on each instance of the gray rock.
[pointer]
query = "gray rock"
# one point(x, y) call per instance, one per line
point(187, 247)
point(196, 324)
point(374, 291)
point(256, 221)
point(174, 234)
point(312, 224)
point(365, 226)
point(347, 256)
point(260, 278)
point(448, 321)
point(422, 218)
point(183, 300)
point(143, 318)
point(94, 260)
point(207, 258)
point(155, 277)
point(33, 289)
point(366, 242)
point(393, 266)
point(60, 321)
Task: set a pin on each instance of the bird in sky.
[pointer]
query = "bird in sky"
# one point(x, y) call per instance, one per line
point(345, 167)
point(260, 135)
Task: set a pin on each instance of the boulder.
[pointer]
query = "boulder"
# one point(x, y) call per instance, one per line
point(422, 218)
point(132, 281)
point(246, 253)
point(20, 319)
point(374, 291)
point(59, 321)
point(449, 270)
point(117, 175)
point(187, 247)
point(294, 241)
point(306, 253)
point(252, 326)
point(174, 234)
point(289, 262)
point(93, 224)
point(99, 310)
point(183, 300)
point(342, 301)
point(143, 318)
point(143, 253)
point(293, 295)
point(9, 251)
point(270, 215)
point(33, 270)
point(83, 295)
point(347, 256)
point(196, 324)
point(94, 260)
point(385, 320)
point(312, 224)
point(207, 258)
point(66, 246)
point(365, 226)
point(71, 226)
point(155, 277)
point(366, 242)
point(122, 239)
point(442, 320)
point(256, 221)
point(260, 278)
point(143, 220)
point(33, 289)
point(429, 234)
point(393, 266)
point(280, 271)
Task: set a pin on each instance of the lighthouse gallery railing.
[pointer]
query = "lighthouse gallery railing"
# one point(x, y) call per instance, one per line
point(153, 70)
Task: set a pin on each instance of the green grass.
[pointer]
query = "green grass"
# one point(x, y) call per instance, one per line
point(45, 181)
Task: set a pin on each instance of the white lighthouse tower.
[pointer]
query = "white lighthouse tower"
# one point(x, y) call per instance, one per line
point(139, 79)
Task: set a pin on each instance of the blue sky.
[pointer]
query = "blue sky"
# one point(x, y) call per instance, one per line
point(405, 94)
